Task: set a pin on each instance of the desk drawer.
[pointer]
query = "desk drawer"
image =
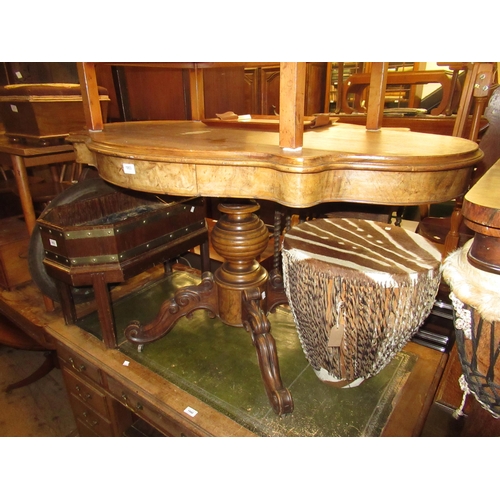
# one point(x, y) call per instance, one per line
point(79, 365)
point(86, 393)
point(90, 418)
point(145, 411)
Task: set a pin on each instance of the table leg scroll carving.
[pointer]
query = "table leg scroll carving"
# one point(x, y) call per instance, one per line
point(255, 321)
point(183, 303)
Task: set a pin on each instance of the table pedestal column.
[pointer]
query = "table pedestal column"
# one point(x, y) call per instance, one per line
point(239, 237)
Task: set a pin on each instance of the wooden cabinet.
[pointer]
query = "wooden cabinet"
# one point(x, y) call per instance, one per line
point(112, 395)
point(166, 91)
point(104, 406)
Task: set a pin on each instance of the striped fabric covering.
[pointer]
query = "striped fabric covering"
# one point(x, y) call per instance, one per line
point(376, 249)
point(368, 284)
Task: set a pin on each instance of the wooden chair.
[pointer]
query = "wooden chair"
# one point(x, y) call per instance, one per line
point(450, 231)
point(356, 84)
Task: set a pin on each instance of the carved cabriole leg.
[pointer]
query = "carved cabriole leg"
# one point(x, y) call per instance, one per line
point(256, 322)
point(183, 303)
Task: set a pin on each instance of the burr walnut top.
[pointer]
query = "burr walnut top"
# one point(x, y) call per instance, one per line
point(337, 163)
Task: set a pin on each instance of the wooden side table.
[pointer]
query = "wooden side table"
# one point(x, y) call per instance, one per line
point(21, 157)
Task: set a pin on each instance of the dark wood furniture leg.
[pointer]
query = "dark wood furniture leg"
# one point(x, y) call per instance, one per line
point(67, 303)
point(21, 176)
point(12, 336)
point(205, 256)
point(256, 322)
point(104, 309)
point(47, 366)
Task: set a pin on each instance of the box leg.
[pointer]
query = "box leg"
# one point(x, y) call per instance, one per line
point(104, 309)
point(67, 302)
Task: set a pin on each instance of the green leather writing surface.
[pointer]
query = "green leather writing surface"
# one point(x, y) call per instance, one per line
point(218, 364)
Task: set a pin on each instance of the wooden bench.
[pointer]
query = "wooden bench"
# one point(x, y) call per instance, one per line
point(356, 84)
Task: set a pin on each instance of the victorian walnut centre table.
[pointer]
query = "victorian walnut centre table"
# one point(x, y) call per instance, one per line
point(337, 163)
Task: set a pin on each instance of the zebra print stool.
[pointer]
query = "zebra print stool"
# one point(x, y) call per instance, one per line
point(358, 291)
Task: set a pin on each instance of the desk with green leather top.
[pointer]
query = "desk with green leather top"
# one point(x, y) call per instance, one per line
point(211, 368)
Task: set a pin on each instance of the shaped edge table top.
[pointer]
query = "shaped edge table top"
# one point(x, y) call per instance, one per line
point(337, 163)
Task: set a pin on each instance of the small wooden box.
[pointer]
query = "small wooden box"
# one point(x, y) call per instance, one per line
point(14, 243)
point(119, 233)
point(44, 112)
point(110, 235)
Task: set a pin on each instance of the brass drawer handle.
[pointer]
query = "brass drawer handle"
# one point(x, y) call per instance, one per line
point(125, 399)
point(83, 396)
point(81, 368)
point(92, 423)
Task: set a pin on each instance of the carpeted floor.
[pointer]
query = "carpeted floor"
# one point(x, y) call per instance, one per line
point(40, 409)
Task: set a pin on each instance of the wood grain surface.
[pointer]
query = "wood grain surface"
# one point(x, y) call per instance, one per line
point(337, 163)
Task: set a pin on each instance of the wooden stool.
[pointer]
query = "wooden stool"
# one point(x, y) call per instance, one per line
point(358, 291)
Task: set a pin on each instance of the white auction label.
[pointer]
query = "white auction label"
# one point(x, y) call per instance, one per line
point(190, 411)
point(129, 168)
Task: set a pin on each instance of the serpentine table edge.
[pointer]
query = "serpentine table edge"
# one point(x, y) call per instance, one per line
point(340, 162)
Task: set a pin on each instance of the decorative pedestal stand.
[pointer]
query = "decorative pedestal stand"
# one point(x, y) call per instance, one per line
point(240, 293)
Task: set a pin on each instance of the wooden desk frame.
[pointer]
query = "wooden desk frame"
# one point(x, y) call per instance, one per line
point(163, 403)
